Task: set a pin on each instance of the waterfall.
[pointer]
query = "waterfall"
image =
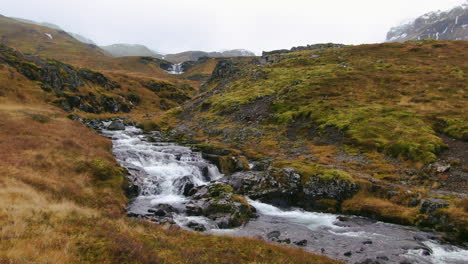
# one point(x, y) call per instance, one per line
point(176, 69)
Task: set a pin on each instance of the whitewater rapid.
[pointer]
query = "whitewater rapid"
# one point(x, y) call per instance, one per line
point(162, 170)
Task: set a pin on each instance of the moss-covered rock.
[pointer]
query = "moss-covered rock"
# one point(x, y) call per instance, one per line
point(219, 203)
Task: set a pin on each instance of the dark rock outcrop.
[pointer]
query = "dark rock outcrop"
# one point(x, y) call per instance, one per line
point(65, 81)
point(116, 125)
point(219, 203)
point(286, 187)
point(224, 69)
point(300, 48)
point(430, 205)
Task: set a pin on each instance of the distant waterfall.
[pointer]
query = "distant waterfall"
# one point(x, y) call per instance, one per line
point(176, 69)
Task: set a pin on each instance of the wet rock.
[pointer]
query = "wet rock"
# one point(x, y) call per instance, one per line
point(369, 261)
point(284, 241)
point(196, 226)
point(415, 245)
point(343, 218)
point(301, 243)
point(273, 235)
point(219, 203)
point(116, 125)
point(430, 205)
point(185, 185)
point(158, 212)
point(131, 214)
point(367, 242)
point(382, 257)
point(163, 210)
point(348, 254)
point(419, 238)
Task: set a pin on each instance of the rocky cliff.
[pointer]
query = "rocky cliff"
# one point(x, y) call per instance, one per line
point(448, 25)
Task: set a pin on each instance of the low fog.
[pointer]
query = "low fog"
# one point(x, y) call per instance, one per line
point(178, 25)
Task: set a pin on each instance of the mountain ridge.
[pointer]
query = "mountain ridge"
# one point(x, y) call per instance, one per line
point(443, 25)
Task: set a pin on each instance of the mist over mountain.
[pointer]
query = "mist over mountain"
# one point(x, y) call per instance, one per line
point(122, 50)
point(443, 25)
point(54, 26)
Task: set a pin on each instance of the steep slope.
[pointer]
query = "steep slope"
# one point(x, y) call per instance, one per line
point(448, 25)
point(57, 44)
point(62, 196)
point(53, 26)
point(374, 115)
point(199, 70)
point(46, 41)
point(121, 50)
point(82, 89)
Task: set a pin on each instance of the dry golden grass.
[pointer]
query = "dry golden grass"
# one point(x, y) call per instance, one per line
point(62, 201)
point(363, 204)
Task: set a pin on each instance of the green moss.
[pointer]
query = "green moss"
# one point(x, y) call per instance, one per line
point(310, 169)
point(101, 170)
point(220, 190)
point(457, 128)
point(390, 130)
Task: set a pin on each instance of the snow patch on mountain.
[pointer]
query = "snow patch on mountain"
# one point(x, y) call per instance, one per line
point(444, 25)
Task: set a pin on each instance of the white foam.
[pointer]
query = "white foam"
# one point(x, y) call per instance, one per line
point(310, 219)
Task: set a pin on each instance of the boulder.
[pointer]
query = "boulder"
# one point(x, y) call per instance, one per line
point(317, 188)
point(163, 210)
point(273, 235)
point(301, 243)
point(185, 185)
point(196, 226)
point(116, 125)
point(430, 205)
point(219, 203)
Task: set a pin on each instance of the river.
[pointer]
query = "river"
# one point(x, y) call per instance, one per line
point(161, 170)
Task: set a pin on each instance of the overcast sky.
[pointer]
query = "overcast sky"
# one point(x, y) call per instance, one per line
point(176, 25)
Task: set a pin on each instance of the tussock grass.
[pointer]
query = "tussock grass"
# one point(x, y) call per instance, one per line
point(62, 201)
point(378, 208)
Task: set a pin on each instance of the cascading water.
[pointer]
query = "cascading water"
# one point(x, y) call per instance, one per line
point(165, 171)
point(176, 69)
point(162, 171)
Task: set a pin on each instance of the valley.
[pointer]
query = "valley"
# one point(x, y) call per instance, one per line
point(325, 153)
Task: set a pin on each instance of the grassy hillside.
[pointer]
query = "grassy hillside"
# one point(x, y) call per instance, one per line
point(388, 114)
point(89, 91)
point(57, 44)
point(200, 69)
point(62, 194)
point(33, 39)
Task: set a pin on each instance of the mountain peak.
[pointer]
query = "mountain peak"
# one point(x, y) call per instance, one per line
point(443, 25)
